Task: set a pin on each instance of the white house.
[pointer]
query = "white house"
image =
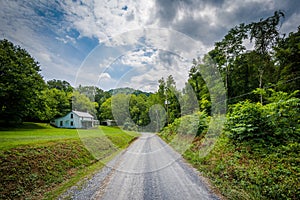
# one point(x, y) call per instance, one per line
point(75, 119)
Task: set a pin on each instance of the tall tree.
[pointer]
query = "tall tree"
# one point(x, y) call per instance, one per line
point(226, 51)
point(287, 55)
point(161, 92)
point(82, 103)
point(172, 100)
point(199, 86)
point(53, 103)
point(60, 85)
point(20, 83)
point(105, 111)
point(265, 34)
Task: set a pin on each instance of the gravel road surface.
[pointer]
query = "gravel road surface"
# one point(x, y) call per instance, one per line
point(148, 169)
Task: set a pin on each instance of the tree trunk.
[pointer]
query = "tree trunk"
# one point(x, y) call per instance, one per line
point(260, 84)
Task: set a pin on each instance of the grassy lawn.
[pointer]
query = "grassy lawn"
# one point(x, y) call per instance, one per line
point(33, 133)
point(38, 133)
point(37, 159)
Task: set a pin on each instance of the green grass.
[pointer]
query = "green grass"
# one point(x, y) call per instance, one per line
point(37, 158)
point(34, 133)
point(243, 171)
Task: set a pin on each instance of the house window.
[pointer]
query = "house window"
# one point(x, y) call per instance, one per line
point(72, 124)
point(61, 123)
point(72, 116)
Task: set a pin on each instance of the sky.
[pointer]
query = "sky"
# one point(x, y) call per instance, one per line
point(118, 43)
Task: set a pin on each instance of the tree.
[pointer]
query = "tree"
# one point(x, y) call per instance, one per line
point(82, 103)
point(105, 110)
point(120, 108)
point(139, 108)
point(60, 85)
point(172, 100)
point(226, 51)
point(199, 85)
point(53, 103)
point(287, 55)
point(100, 97)
point(20, 83)
point(161, 91)
point(189, 100)
point(265, 34)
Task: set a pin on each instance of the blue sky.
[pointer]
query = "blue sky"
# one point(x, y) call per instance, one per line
point(128, 43)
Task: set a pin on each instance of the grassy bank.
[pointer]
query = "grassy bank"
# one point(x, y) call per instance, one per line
point(245, 170)
point(251, 171)
point(248, 172)
point(37, 159)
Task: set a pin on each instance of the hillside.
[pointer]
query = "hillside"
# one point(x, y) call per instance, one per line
point(39, 161)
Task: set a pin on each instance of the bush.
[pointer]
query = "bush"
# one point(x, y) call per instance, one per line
point(283, 117)
point(194, 125)
point(129, 126)
point(274, 123)
point(246, 122)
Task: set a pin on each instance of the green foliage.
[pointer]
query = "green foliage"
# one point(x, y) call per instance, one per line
point(287, 54)
point(127, 91)
point(192, 125)
point(246, 122)
point(53, 103)
point(265, 32)
point(244, 70)
point(199, 86)
point(81, 102)
point(169, 97)
point(60, 85)
point(120, 107)
point(20, 83)
point(105, 110)
point(273, 123)
point(251, 171)
point(130, 126)
point(283, 119)
point(139, 108)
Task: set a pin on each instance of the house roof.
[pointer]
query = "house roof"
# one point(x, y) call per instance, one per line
point(82, 114)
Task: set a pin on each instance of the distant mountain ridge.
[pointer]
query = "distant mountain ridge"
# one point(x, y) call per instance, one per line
point(128, 90)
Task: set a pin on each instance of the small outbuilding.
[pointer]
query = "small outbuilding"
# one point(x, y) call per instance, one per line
point(109, 122)
point(75, 119)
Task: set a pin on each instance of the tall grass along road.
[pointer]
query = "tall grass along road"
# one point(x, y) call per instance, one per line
point(148, 169)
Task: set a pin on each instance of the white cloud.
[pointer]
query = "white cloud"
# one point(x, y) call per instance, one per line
point(292, 24)
point(44, 57)
point(105, 19)
point(143, 33)
point(104, 76)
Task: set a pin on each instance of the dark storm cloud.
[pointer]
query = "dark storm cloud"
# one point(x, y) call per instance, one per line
point(199, 29)
point(168, 9)
point(208, 21)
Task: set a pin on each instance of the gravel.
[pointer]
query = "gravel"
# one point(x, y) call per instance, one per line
point(148, 169)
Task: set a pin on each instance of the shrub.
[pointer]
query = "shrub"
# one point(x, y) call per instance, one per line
point(274, 123)
point(246, 122)
point(193, 125)
point(129, 126)
point(283, 116)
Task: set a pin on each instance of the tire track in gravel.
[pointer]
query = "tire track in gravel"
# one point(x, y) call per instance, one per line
point(148, 169)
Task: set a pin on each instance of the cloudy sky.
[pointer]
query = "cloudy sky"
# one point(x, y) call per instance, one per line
point(118, 43)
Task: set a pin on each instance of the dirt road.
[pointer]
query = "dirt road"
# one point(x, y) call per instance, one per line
point(148, 169)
